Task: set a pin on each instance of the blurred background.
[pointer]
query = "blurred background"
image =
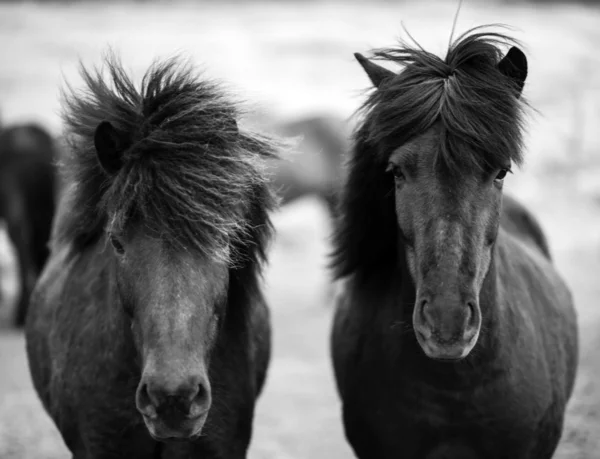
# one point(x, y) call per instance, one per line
point(292, 62)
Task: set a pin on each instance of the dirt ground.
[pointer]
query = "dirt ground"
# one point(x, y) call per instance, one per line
point(293, 59)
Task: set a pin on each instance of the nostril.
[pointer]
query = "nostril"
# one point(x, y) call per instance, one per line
point(200, 393)
point(143, 395)
point(422, 320)
point(470, 311)
point(171, 397)
point(145, 402)
point(200, 403)
point(472, 314)
point(425, 313)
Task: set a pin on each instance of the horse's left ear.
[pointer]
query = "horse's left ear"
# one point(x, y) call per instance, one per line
point(514, 66)
point(108, 147)
point(376, 73)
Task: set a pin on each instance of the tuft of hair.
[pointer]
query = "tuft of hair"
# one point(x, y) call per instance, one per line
point(480, 120)
point(188, 175)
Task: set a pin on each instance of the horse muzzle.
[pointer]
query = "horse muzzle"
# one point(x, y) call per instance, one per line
point(447, 332)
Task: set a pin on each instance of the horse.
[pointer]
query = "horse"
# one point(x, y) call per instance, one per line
point(148, 334)
point(454, 336)
point(315, 167)
point(27, 200)
point(517, 219)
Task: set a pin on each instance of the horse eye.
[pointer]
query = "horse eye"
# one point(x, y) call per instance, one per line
point(502, 174)
point(395, 170)
point(117, 245)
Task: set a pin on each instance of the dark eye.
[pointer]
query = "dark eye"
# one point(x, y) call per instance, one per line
point(116, 244)
point(395, 170)
point(502, 174)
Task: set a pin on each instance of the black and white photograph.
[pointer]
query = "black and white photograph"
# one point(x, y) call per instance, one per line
point(288, 229)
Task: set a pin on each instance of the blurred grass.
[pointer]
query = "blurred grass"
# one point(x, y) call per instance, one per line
point(294, 58)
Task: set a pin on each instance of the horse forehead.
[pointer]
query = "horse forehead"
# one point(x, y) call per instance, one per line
point(423, 154)
point(420, 150)
point(177, 269)
point(154, 258)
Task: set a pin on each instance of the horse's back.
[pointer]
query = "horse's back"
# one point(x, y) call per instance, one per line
point(27, 170)
point(27, 199)
point(520, 222)
point(27, 146)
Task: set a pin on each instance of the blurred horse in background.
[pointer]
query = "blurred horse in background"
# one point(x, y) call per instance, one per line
point(27, 201)
point(454, 335)
point(315, 165)
point(148, 333)
point(312, 166)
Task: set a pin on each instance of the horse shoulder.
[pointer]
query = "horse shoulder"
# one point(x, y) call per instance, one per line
point(45, 364)
point(524, 266)
point(541, 306)
point(360, 316)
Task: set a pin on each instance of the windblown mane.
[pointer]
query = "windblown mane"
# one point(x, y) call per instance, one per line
point(188, 175)
point(480, 120)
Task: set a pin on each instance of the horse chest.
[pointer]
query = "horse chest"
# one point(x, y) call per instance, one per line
point(424, 419)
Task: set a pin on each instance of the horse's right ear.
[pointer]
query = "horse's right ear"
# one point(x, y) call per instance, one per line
point(108, 148)
point(376, 73)
point(514, 66)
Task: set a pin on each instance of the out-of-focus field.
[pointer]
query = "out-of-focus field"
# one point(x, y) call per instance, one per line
point(293, 59)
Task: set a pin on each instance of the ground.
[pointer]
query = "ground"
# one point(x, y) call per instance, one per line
point(293, 59)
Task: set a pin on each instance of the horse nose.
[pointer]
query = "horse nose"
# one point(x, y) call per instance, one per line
point(425, 322)
point(169, 396)
point(448, 322)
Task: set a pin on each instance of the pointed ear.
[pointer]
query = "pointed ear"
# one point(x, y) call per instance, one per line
point(108, 147)
point(376, 73)
point(514, 66)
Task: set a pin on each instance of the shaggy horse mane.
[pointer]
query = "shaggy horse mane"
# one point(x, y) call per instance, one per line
point(480, 120)
point(188, 174)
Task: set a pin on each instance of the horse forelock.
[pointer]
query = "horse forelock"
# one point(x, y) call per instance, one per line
point(475, 105)
point(188, 174)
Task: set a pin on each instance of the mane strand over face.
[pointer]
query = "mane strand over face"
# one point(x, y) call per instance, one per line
point(186, 174)
point(477, 110)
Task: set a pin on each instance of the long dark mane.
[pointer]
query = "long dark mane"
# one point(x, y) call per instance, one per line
point(189, 175)
point(480, 120)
